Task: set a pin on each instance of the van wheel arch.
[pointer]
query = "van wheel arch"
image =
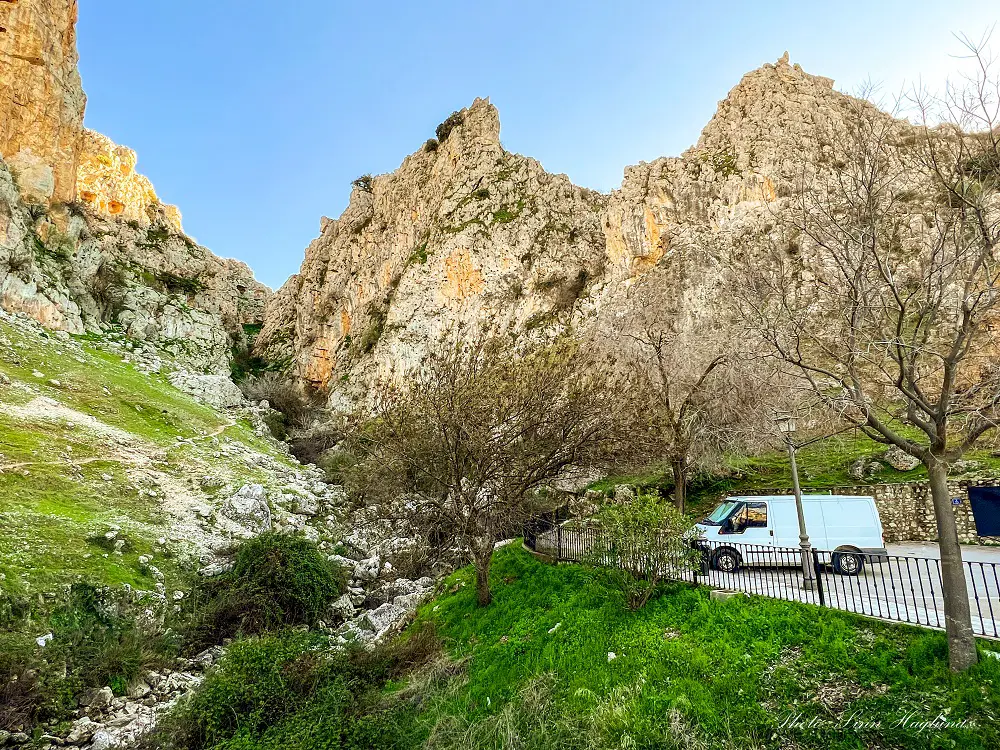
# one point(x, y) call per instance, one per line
point(848, 560)
point(726, 560)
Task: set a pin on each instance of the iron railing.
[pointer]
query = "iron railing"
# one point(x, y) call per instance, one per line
point(890, 587)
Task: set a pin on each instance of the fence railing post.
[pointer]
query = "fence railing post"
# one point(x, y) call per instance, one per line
point(558, 541)
point(819, 578)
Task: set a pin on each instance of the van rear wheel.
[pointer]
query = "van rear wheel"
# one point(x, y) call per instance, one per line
point(726, 560)
point(848, 563)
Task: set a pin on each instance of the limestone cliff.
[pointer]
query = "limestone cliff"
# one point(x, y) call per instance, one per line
point(464, 233)
point(41, 97)
point(674, 222)
point(108, 184)
point(75, 270)
point(84, 240)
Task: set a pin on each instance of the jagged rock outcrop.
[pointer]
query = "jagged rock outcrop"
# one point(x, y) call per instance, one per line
point(76, 271)
point(775, 121)
point(108, 253)
point(41, 97)
point(463, 233)
point(470, 234)
point(108, 184)
point(675, 224)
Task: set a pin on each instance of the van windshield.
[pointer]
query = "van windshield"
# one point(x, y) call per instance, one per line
point(721, 513)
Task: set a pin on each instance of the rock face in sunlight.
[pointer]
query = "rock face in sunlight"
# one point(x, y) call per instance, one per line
point(107, 183)
point(464, 233)
point(41, 97)
point(84, 241)
point(674, 221)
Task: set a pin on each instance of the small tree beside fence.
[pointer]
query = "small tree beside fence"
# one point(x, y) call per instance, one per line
point(641, 544)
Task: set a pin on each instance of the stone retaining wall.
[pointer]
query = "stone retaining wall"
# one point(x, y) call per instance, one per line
point(906, 509)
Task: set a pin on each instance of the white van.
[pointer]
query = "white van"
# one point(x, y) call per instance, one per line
point(848, 526)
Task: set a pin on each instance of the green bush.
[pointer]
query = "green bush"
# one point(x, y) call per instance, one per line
point(14, 602)
point(292, 690)
point(365, 182)
point(180, 285)
point(444, 129)
point(102, 649)
point(376, 327)
point(276, 425)
point(91, 646)
point(639, 541)
point(431, 145)
point(277, 580)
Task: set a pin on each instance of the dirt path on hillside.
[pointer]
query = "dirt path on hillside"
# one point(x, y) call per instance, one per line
point(44, 409)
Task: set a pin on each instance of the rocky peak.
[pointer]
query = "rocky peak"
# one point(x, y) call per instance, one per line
point(463, 233)
point(84, 241)
point(466, 233)
point(108, 184)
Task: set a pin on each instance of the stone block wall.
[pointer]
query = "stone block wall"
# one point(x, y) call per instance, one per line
point(906, 509)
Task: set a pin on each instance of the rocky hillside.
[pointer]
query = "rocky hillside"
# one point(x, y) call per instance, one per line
point(466, 233)
point(120, 472)
point(84, 240)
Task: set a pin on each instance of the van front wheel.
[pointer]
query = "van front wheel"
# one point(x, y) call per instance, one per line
point(726, 560)
point(848, 563)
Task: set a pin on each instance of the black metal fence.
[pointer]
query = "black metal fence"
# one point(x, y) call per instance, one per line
point(890, 587)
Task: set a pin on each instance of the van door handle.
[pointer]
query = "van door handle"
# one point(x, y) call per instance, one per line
point(771, 532)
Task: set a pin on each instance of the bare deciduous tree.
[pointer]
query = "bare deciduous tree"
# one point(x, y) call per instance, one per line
point(476, 432)
point(881, 292)
point(695, 395)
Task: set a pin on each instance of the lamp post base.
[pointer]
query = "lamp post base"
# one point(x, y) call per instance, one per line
point(808, 572)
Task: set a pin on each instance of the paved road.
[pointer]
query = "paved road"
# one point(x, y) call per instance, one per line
point(904, 586)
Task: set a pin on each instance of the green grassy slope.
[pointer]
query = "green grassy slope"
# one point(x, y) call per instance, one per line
point(87, 442)
point(719, 673)
point(556, 662)
point(822, 465)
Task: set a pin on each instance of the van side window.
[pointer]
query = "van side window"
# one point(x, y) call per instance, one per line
point(756, 516)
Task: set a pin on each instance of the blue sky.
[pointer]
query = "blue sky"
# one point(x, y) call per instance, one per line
point(254, 117)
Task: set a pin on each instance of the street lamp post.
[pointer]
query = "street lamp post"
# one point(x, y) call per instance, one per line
point(786, 425)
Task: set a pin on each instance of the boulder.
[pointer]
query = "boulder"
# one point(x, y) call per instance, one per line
point(83, 729)
point(218, 391)
point(342, 609)
point(97, 698)
point(248, 509)
point(900, 460)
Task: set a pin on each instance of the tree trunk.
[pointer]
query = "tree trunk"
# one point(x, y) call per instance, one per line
point(679, 467)
point(957, 614)
point(483, 593)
